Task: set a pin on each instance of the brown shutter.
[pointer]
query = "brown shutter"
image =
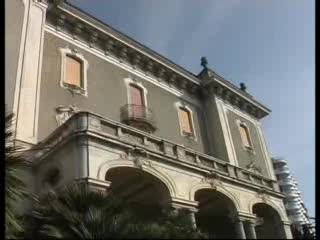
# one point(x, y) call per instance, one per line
point(73, 71)
point(245, 136)
point(137, 101)
point(185, 120)
point(136, 96)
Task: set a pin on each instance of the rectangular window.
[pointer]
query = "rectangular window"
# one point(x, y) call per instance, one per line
point(244, 132)
point(137, 102)
point(185, 121)
point(136, 96)
point(73, 71)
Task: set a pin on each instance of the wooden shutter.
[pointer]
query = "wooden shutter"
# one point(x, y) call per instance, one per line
point(73, 71)
point(185, 120)
point(136, 96)
point(244, 132)
point(137, 101)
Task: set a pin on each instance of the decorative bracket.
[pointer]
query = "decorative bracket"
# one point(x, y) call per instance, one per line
point(253, 168)
point(263, 194)
point(139, 157)
point(213, 179)
point(65, 112)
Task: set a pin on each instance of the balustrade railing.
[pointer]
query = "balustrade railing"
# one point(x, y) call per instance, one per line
point(111, 129)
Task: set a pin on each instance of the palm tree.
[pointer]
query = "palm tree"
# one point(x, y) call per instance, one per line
point(76, 211)
point(14, 185)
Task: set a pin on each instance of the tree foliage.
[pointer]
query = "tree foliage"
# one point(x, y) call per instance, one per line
point(14, 185)
point(79, 212)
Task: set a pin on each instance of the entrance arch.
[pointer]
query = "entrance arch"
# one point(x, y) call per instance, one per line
point(269, 224)
point(145, 191)
point(216, 214)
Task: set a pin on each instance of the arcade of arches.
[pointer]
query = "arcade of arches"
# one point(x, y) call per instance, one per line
point(216, 214)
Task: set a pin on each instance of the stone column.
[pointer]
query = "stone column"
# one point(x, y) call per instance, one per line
point(191, 206)
point(251, 230)
point(193, 218)
point(240, 229)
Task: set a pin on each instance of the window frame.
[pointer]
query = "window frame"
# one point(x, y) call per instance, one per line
point(73, 53)
point(133, 82)
point(242, 124)
point(191, 135)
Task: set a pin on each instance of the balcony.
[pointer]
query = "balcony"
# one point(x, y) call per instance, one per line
point(138, 116)
point(93, 126)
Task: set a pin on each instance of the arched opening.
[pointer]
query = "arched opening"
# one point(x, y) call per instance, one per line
point(145, 192)
point(215, 215)
point(269, 224)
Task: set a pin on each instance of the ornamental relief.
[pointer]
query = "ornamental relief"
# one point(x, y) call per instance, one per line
point(263, 194)
point(64, 113)
point(254, 168)
point(213, 179)
point(139, 157)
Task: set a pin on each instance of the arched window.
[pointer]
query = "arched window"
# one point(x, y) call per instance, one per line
point(185, 121)
point(245, 136)
point(137, 96)
point(73, 71)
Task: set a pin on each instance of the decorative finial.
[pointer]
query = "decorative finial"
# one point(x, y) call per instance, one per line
point(204, 62)
point(243, 87)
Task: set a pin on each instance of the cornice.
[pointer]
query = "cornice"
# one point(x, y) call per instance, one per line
point(83, 27)
point(65, 19)
point(214, 88)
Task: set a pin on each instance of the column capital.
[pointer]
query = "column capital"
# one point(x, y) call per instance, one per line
point(243, 217)
point(185, 204)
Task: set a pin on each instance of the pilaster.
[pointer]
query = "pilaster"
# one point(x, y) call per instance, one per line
point(29, 92)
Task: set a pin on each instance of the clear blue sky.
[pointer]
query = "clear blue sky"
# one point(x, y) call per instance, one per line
point(268, 44)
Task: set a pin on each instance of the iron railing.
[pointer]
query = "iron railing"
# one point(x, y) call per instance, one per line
point(139, 116)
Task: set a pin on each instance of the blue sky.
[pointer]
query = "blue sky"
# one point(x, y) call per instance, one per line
point(267, 44)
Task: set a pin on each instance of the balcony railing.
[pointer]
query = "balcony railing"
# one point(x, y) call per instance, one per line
point(173, 153)
point(138, 116)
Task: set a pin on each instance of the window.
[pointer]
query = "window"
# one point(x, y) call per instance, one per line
point(137, 101)
point(245, 136)
point(185, 121)
point(136, 95)
point(73, 71)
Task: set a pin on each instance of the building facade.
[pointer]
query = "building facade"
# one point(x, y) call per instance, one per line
point(97, 106)
point(295, 207)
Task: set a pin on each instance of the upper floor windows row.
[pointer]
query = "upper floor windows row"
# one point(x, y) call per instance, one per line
point(74, 78)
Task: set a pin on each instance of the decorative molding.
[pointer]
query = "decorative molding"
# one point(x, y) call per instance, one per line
point(83, 26)
point(213, 179)
point(222, 112)
point(252, 167)
point(133, 81)
point(250, 148)
point(130, 69)
point(28, 93)
point(74, 89)
point(214, 87)
point(263, 195)
point(64, 113)
point(81, 30)
point(178, 105)
point(139, 157)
